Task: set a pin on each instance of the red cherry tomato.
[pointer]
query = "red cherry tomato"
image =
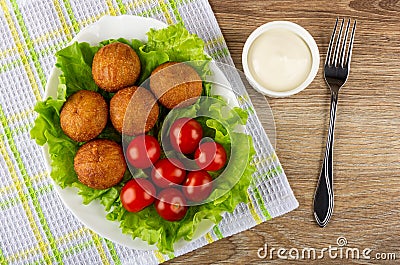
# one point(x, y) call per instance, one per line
point(143, 151)
point(197, 186)
point(137, 194)
point(171, 204)
point(185, 135)
point(210, 156)
point(168, 172)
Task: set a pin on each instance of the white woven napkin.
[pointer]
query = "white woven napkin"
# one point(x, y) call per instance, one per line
point(35, 225)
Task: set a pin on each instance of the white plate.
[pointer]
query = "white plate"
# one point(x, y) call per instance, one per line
point(94, 215)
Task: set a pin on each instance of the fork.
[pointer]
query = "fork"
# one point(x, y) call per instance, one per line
point(336, 72)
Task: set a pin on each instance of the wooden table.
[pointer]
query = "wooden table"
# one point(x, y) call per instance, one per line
point(367, 146)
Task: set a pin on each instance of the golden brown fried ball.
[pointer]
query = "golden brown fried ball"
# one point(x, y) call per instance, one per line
point(115, 66)
point(100, 164)
point(140, 107)
point(84, 115)
point(173, 83)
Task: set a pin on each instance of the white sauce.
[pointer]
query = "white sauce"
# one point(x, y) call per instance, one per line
point(279, 60)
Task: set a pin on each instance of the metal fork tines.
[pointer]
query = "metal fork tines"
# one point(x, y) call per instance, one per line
point(337, 62)
point(336, 72)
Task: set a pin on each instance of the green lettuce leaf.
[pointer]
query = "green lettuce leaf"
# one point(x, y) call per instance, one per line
point(109, 132)
point(75, 62)
point(108, 197)
point(178, 43)
point(61, 148)
point(149, 61)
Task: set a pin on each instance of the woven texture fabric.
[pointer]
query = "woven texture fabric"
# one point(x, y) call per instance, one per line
point(36, 228)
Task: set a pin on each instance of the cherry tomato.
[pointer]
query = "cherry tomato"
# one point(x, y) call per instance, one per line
point(210, 156)
point(185, 135)
point(171, 204)
point(143, 151)
point(137, 194)
point(168, 172)
point(197, 186)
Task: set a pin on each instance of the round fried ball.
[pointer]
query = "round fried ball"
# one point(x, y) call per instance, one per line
point(115, 66)
point(84, 115)
point(133, 110)
point(100, 164)
point(175, 83)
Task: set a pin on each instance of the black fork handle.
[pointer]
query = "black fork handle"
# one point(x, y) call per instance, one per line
point(323, 198)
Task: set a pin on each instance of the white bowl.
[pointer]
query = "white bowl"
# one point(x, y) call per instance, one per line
point(299, 31)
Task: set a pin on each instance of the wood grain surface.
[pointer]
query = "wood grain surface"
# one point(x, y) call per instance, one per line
point(367, 146)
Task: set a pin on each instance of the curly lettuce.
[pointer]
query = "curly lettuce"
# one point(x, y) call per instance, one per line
point(173, 43)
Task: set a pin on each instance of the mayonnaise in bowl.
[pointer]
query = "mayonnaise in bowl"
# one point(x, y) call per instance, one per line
point(280, 59)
